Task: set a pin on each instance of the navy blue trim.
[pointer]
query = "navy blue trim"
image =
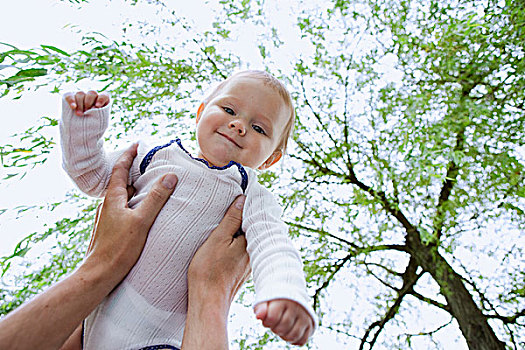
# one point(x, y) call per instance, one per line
point(244, 176)
point(147, 159)
point(159, 347)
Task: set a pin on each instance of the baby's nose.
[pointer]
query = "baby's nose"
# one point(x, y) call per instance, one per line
point(238, 126)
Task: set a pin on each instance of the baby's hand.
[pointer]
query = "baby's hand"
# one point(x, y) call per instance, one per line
point(287, 319)
point(81, 102)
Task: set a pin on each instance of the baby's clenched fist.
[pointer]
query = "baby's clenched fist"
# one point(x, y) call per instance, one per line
point(287, 319)
point(81, 101)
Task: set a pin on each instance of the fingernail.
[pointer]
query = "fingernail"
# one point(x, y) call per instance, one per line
point(73, 105)
point(239, 202)
point(169, 181)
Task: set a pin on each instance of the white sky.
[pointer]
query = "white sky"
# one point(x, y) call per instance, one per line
point(23, 25)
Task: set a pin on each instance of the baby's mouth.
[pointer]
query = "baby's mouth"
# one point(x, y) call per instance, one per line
point(229, 139)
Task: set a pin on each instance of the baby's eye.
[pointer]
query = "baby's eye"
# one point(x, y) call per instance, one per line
point(228, 110)
point(258, 129)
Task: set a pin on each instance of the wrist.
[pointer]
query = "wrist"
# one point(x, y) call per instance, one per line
point(102, 274)
point(207, 312)
point(203, 299)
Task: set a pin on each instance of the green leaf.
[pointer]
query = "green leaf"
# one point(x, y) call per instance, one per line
point(55, 49)
point(31, 72)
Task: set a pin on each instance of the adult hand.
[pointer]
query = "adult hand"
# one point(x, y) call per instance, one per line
point(48, 320)
point(120, 232)
point(216, 273)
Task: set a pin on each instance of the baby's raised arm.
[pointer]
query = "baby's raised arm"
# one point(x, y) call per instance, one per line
point(85, 118)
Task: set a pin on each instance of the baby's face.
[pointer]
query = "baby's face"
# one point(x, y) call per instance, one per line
point(244, 123)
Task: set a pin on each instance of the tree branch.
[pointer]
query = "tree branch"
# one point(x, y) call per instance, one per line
point(317, 116)
point(433, 331)
point(446, 189)
point(484, 300)
point(322, 233)
point(381, 196)
point(329, 279)
point(508, 319)
point(390, 271)
point(430, 301)
point(386, 284)
point(357, 249)
point(352, 178)
point(410, 277)
point(210, 59)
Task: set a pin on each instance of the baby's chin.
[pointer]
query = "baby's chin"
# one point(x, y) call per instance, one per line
point(223, 162)
point(215, 162)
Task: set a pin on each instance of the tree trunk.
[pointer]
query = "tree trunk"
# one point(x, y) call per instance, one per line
point(473, 324)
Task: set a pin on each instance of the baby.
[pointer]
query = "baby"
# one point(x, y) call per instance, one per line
point(243, 125)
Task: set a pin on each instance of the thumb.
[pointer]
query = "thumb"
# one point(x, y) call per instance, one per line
point(232, 220)
point(261, 310)
point(157, 196)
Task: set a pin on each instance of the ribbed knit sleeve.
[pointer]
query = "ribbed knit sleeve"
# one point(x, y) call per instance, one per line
point(83, 155)
point(277, 269)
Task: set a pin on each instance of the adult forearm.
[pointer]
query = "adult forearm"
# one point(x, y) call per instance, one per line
point(206, 324)
point(48, 320)
point(217, 271)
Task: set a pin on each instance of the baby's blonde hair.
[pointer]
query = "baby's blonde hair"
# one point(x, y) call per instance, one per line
point(274, 83)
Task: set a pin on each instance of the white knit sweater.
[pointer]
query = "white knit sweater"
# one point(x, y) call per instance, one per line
point(149, 306)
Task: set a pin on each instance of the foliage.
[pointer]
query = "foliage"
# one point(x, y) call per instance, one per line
point(29, 149)
point(66, 243)
point(406, 174)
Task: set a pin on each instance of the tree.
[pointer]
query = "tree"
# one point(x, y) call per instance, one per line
point(406, 173)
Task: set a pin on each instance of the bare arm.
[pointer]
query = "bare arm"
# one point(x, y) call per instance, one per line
point(216, 273)
point(49, 319)
point(117, 243)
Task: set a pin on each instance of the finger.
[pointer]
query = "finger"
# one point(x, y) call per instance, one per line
point(261, 310)
point(95, 224)
point(274, 314)
point(247, 272)
point(231, 222)
point(304, 338)
point(70, 99)
point(118, 182)
point(296, 331)
point(286, 325)
point(79, 99)
point(131, 191)
point(156, 198)
point(237, 242)
point(102, 100)
point(90, 99)
point(237, 251)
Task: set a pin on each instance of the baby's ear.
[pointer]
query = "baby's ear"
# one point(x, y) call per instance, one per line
point(199, 111)
point(274, 158)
